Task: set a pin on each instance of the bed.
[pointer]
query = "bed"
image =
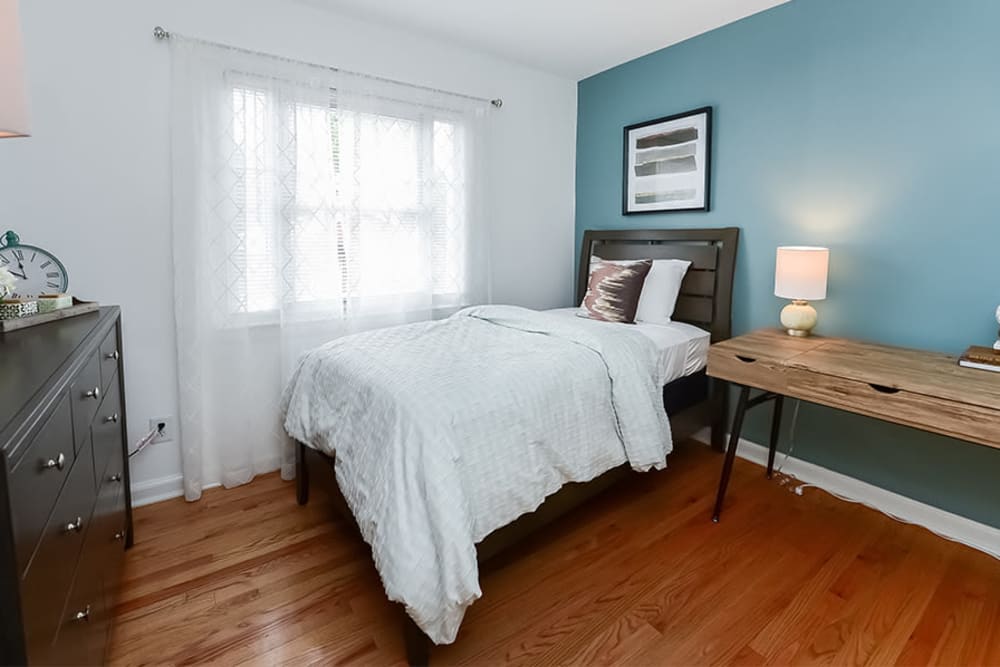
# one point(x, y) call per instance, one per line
point(452, 440)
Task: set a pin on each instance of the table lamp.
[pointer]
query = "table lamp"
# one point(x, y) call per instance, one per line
point(800, 275)
point(13, 99)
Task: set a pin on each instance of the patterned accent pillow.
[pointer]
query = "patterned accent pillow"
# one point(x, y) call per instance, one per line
point(614, 289)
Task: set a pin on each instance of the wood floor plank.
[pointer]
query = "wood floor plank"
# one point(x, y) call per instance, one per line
point(626, 581)
point(784, 631)
point(723, 624)
point(853, 594)
point(639, 575)
point(952, 629)
point(900, 603)
point(690, 585)
point(622, 640)
point(601, 560)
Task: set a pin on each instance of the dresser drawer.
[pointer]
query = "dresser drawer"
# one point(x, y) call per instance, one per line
point(85, 396)
point(107, 430)
point(886, 402)
point(115, 554)
point(36, 480)
point(86, 618)
point(48, 579)
point(84, 623)
point(110, 524)
point(760, 372)
point(110, 356)
point(114, 470)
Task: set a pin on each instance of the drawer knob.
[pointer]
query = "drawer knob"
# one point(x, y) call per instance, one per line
point(117, 477)
point(58, 462)
point(94, 393)
point(119, 536)
point(75, 526)
point(112, 419)
point(112, 355)
point(82, 615)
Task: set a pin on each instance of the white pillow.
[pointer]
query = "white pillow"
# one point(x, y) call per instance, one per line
point(660, 291)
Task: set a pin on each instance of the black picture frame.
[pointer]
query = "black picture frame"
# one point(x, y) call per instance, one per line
point(629, 206)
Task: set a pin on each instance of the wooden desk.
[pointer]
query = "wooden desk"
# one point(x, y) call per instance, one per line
point(924, 390)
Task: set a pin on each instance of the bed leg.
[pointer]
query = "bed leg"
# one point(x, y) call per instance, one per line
point(301, 474)
point(418, 647)
point(720, 414)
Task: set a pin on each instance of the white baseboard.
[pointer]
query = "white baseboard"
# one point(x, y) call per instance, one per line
point(159, 489)
point(952, 526)
point(154, 490)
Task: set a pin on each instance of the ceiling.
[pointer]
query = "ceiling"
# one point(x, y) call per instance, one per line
point(574, 38)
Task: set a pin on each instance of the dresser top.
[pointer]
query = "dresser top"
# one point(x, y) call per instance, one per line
point(31, 358)
point(916, 371)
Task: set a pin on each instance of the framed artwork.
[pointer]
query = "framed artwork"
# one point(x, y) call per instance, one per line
point(668, 164)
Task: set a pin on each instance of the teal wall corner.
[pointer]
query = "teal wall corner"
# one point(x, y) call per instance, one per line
point(868, 126)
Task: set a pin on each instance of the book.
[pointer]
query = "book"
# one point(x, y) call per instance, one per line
point(983, 367)
point(982, 358)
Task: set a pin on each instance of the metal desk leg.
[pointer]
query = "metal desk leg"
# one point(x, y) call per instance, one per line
point(775, 432)
point(734, 441)
point(720, 414)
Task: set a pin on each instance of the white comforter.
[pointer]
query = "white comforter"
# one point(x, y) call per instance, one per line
point(445, 431)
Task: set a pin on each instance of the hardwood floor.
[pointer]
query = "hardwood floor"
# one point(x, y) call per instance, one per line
point(638, 576)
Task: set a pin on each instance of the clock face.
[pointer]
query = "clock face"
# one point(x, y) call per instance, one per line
point(37, 271)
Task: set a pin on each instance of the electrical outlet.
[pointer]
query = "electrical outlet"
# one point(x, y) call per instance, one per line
point(167, 430)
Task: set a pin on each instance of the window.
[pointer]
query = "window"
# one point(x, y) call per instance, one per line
point(344, 208)
point(308, 203)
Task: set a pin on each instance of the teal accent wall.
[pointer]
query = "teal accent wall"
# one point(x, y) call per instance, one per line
point(871, 127)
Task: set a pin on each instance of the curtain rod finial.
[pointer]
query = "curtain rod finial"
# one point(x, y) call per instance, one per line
point(160, 33)
point(497, 102)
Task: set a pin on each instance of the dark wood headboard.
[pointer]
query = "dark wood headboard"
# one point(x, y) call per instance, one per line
point(706, 298)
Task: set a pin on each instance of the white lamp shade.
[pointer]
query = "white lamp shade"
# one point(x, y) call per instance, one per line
point(800, 272)
point(13, 100)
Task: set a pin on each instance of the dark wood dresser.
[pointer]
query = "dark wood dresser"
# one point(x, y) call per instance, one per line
point(65, 505)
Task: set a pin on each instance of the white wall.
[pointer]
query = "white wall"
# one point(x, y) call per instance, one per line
point(92, 183)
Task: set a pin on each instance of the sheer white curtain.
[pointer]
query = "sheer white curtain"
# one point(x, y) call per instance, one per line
point(307, 204)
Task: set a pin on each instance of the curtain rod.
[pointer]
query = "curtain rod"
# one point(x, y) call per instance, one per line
point(161, 34)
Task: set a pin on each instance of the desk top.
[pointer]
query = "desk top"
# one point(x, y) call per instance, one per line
point(915, 371)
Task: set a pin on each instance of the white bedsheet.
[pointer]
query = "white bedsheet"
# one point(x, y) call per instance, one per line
point(445, 431)
point(682, 348)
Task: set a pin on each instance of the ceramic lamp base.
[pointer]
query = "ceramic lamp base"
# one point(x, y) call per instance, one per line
point(798, 318)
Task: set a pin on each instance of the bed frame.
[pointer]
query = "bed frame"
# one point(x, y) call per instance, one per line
point(692, 402)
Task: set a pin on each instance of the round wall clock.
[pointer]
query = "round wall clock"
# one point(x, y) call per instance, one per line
point(37, 270)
